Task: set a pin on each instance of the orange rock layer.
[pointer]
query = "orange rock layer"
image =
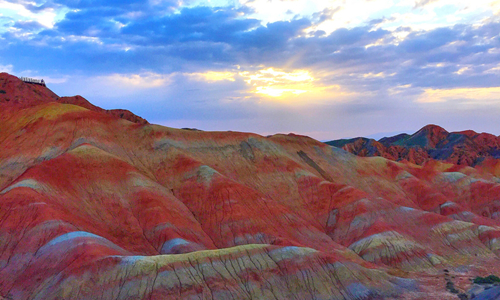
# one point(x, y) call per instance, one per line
point(94, 206)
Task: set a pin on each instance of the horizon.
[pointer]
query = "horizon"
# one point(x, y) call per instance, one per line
point(325, 69)
point(377, 136)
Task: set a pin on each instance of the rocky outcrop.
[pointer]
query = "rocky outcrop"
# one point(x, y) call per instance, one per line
point(119, 113)
point(16, 93)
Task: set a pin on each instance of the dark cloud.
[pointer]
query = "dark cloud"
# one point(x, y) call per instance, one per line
point(381, 21)
point(355, 36)
point(422, 42)
point(274, 36)
point(326, 14)
point(90, 22)
point(191, 24)
point(207, 35)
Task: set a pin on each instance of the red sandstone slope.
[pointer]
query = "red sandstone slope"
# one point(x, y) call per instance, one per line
point(93, 206)
point(19, 94)
point(22, 95)
point(120, 113)
point(429, 143)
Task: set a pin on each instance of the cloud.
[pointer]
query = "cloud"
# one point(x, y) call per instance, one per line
point(198, 24)
point(422, 3)
point(288, 85)
point(136, 81)
point(28, 25)
point(146, 55)
point(326, 14)
point(116, 90)
point(464, 96)
point(205, 39)
point(35, 6)
point(421, 42)
point(6, 68)
point(202, 34)
point(212, 76)
point(134, 4)
point(494, 70)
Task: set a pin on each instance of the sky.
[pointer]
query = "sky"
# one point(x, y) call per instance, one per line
point(328, 69)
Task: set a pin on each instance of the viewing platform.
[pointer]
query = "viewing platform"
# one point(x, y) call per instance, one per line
point(33, 80)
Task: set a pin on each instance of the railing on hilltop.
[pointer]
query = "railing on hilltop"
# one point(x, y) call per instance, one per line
point(33, 80)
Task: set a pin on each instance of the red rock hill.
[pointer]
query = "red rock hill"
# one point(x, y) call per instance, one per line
point(18, 94)
point(429, 143)
point(93, 206)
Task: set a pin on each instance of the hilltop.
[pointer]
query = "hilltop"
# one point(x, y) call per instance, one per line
point(18, 94)
point(99, 205)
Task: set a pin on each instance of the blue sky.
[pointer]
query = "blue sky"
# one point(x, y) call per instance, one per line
point(327, 69)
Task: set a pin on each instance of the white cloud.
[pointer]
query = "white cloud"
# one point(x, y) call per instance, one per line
point(418, 15)
point(18, 12)
point(136, 81)
point(464, 96)
point(211, 76)
point(6, 68)
point(277, 10)
point(462, 70)
point(494, 70)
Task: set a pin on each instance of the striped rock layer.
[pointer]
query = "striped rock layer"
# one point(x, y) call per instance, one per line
point(95, 205)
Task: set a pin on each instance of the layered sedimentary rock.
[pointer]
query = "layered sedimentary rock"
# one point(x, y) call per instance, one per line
point(94, 206)
point(18, 94)
point(432, 142)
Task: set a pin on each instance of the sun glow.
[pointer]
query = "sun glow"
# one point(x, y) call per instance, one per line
point(277, 91)
point(275, 83)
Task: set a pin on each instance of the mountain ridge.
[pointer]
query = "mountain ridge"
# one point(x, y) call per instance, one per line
point(430, 142)
point(22, 95)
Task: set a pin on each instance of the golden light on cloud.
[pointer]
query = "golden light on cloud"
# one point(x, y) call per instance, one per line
point(462, 70)
point(212, 76)
point(398, 89)
point(495, 6)
point(379, 42)
point(277, 91)
point(494, 70)
point(476, 96)
point(276, 83)
point(377, 75)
